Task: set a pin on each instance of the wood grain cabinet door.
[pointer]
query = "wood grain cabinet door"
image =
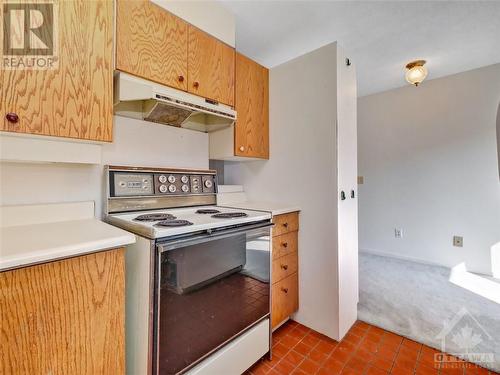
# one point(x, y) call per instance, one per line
point(64, 317)
point(251, 136)
point(151, 43)
point(285, 299)
point(210, 67)
point(75, 99)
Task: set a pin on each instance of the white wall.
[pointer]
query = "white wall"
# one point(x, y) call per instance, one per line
point(211, 16)
point(301, 172)
point(428, 157)
point(136, 143)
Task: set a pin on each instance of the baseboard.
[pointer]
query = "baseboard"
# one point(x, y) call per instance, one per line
point(416, 260)
point(402, 257)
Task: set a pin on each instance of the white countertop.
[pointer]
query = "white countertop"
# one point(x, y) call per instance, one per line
point(234, 196)
point(38, 242)
point(273, 208)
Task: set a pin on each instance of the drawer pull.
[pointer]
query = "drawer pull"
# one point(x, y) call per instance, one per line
point(284, 244)
point(284, 266)
point(284, 290)
point(285, 225)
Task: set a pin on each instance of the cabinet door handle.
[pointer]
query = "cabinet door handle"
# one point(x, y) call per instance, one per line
point(284, 244)
point(242, 148)
point(196, 84)
point(284, 266)
point(12, 117)
point(285, 225)
point(284, 290)
point(181, 78)
point(353, 194)
point(342, 195)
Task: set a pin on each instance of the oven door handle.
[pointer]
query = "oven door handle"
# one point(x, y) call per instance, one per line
point(210, 236)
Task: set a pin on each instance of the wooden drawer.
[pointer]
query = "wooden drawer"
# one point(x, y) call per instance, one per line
point(284, 266)
point(285, 244)
point(285, 223)
point(285, 299)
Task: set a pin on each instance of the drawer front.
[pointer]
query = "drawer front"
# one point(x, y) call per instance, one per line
point(285, 223)
point(284, 266)
point(285, 244)
point(285, 299)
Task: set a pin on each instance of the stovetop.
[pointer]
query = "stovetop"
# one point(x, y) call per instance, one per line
point(194, 221)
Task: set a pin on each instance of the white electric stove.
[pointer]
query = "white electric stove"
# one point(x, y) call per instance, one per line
point(198, 277)
point(171, 222)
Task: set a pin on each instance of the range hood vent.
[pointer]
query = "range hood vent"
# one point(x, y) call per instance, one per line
point(149, 101)
point(165, 113)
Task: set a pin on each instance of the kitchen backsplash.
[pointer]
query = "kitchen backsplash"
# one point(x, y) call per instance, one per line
point(135, 143)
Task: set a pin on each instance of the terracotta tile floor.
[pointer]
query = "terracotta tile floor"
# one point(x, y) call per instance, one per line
point(365, 349)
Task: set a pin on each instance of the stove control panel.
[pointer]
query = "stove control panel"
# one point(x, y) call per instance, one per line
point(163, 182)
point(182, 184)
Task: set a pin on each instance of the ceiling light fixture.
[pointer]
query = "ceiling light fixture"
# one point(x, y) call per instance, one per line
point(416, 72)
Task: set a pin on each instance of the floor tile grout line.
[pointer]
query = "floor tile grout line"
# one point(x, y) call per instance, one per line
point(359, 337)
point(291, 348)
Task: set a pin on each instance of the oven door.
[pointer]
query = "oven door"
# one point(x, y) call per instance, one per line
point(210, 289)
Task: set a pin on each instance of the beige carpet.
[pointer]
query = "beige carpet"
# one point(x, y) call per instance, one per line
point(418, 301)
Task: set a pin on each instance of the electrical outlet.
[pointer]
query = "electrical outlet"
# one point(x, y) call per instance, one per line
point(361, 180)
point(458, 241)
point(398, 233)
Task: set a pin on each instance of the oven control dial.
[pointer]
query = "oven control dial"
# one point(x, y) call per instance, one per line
point(185, 188)
point(162, 179)
point(171, 179)
point(184, 179)
point(208, 184)
point(163, 188)
point(172, 188)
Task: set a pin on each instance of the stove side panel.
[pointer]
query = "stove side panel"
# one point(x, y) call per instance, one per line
point(139, 282)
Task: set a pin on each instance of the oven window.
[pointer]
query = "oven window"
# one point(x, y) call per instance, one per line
point(209, 292)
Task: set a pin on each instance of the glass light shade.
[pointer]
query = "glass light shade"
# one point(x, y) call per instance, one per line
point(416, 74)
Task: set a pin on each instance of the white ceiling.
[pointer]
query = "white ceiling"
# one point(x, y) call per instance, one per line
point(381, 36)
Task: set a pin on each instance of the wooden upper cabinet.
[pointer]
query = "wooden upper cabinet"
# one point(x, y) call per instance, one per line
point(75, 99)
point(210, 67)
point(251, 135)
point(151, 43)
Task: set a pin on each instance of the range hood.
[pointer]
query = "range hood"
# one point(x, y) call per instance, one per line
point(138, 98)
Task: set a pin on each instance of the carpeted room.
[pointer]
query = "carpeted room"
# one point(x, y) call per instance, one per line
point(428, 157)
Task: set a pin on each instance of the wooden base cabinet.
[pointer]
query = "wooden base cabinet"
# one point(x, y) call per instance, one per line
point(64, 317)
point(285, 280)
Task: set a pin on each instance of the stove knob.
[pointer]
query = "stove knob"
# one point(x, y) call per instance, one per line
point(185, 188)
point(208, 184)
point(163, 188)
point(184, 179)
point(172, 188)
point(162, 179)
point(171, 179)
